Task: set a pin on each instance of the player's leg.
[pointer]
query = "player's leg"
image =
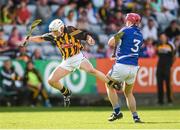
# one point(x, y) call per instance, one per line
point(57, 75)
point(45, 98)
point(53, 80)
point(168, 85)
point(130, 100)
point(35, 93)
point(87, 66)
point(128, 93)
point(115, 75)
point(113, 97)
point(160, 90)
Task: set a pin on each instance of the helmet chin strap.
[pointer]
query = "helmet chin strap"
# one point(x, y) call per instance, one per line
point(60, 30)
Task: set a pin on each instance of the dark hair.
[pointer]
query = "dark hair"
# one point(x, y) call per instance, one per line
point(30, 61)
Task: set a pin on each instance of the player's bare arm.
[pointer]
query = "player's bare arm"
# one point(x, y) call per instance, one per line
point(37, 39)
point(113, 42)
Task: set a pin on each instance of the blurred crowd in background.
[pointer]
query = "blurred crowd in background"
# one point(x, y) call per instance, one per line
point(101, 17)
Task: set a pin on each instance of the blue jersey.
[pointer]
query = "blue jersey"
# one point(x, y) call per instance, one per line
point(129, 48)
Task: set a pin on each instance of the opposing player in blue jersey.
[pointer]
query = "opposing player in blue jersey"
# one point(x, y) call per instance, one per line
point(128, 42)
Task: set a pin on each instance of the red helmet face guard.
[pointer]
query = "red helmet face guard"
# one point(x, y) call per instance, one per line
point(133, 18)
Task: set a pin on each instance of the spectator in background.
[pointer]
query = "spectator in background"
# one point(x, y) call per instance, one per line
point(101, 52)
point(105, 11)
point(23, 14)
point(120, 6)
point(57, 2)
point(111, 29)
point(91, 15)
point(177, 44)
point(117, 19)
point(37, 55)
point(23, 54)
point(164, 18)
point(8, 76)
point(148, 50)
point(71, 6)
point(5, 15)
point(171, 5)
point(172, 30)
point(34, 82)
point(155, 5)
point(59, 13)
point(150, 30)
point(3, 42)
point(166, 52)
point(82, 22)
point(43, 10)
point(15, 38)
point(98, 3)
point(69, 20)
point(147, 14)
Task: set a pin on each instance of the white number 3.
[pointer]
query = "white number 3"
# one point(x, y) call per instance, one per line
point(136, 45)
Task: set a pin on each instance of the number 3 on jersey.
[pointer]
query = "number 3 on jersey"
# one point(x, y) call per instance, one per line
point(136, 45)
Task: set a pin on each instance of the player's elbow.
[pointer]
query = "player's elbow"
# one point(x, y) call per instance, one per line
point(111, 42)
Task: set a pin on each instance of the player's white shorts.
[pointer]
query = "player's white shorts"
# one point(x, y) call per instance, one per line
point(123, 73)
point(73, 63)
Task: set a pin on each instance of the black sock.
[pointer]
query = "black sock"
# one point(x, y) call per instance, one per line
point(65, 91)
point(110, 82)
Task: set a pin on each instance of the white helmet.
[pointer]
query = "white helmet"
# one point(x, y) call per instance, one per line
point(56, 25)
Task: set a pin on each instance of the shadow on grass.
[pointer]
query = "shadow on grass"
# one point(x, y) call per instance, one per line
point(82, 108)
point(163, 122)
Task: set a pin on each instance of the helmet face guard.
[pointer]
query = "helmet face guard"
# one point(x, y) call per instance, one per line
point(56, 26)
point(134, 18)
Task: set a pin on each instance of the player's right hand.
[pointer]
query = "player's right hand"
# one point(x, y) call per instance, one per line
point(113, 57)
point(24, 41)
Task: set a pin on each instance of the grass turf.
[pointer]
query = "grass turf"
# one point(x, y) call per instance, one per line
point(87, 117)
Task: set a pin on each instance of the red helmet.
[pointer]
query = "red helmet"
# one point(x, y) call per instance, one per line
point(133, 18)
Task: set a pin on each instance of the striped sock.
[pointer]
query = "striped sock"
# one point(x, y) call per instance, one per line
point(65, 91)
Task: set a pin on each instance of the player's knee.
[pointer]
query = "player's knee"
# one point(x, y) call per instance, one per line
point(128, 89)
point(51, 81)
point(126, 93)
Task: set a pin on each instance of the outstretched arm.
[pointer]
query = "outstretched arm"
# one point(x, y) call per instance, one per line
point(37, 39)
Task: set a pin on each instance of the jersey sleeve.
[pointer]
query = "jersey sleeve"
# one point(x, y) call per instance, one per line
point(78, 34)
point(47, 37)
point(119, 35)
point(173, 48)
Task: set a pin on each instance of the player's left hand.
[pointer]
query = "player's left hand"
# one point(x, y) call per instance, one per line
point(90, 40)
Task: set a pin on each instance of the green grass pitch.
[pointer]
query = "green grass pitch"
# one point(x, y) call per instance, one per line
point(87, 118)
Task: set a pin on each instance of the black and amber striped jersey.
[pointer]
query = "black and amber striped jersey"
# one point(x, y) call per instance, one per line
point(166, 53)
point(70, 43)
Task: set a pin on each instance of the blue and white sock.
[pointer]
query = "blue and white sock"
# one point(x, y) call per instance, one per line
point(116, 109)
point(135, 115)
